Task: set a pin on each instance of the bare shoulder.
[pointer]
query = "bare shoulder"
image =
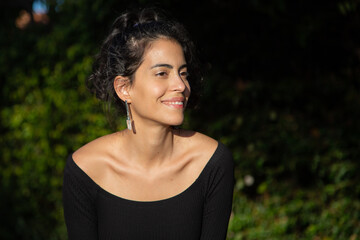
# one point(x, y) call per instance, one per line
point(92, 156)
point(198, 144)
point(93, 148)
point(204, 148)
point(197, 139)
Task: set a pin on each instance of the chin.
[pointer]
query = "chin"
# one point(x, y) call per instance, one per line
point(175, 122)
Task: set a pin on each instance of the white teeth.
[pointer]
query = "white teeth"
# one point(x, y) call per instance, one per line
point(177, 103)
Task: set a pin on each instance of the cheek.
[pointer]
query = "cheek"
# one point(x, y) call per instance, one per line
point(157, 89)
point(151, 91)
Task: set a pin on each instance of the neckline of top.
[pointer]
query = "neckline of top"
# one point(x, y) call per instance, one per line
point(110, 195)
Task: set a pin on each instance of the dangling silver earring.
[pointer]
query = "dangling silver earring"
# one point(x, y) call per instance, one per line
point(128, 116)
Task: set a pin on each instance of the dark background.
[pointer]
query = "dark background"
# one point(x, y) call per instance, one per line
point(282, 92)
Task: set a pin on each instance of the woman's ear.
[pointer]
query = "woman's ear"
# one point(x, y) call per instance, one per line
point(122, 86)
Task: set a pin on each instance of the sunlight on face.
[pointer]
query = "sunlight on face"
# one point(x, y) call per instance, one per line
point(160, 89)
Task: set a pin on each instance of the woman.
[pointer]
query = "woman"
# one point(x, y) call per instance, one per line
point(152, 180)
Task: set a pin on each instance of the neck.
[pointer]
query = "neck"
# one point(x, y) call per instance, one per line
point(150, 146)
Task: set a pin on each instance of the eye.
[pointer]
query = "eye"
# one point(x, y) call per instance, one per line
point(161, 74)
point(184, 75)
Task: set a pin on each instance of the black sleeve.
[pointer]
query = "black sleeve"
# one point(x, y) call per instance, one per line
point(219, 196)
point(78, 202)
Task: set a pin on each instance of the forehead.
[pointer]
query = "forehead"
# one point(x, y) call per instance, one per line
point(164, 51)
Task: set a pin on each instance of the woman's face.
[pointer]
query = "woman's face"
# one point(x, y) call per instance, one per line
point(160, 89)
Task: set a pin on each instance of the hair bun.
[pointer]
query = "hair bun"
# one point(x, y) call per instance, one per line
point(132, 19)
point(122, 51)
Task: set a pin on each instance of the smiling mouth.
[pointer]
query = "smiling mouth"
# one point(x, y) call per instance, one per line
point(175, 104)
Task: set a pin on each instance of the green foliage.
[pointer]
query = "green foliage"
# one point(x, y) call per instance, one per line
point(43, 119)
point(302, 159)
point(283, 94)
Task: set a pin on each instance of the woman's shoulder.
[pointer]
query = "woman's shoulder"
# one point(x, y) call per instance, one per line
point(197, 146)
point(96, 146)
point(207, 147)
point(210, 157)
point(197, 139)
point(92, 156)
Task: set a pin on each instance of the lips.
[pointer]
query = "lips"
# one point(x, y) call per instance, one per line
point(175, 102)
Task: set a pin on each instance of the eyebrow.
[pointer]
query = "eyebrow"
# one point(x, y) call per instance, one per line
point(167, 66)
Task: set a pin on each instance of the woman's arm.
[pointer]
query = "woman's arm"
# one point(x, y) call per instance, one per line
point(78, 201)
point(218, 201)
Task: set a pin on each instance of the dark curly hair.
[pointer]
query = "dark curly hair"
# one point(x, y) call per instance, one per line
point(122, 52)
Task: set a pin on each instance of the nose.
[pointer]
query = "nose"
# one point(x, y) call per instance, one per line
point(178, 83)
